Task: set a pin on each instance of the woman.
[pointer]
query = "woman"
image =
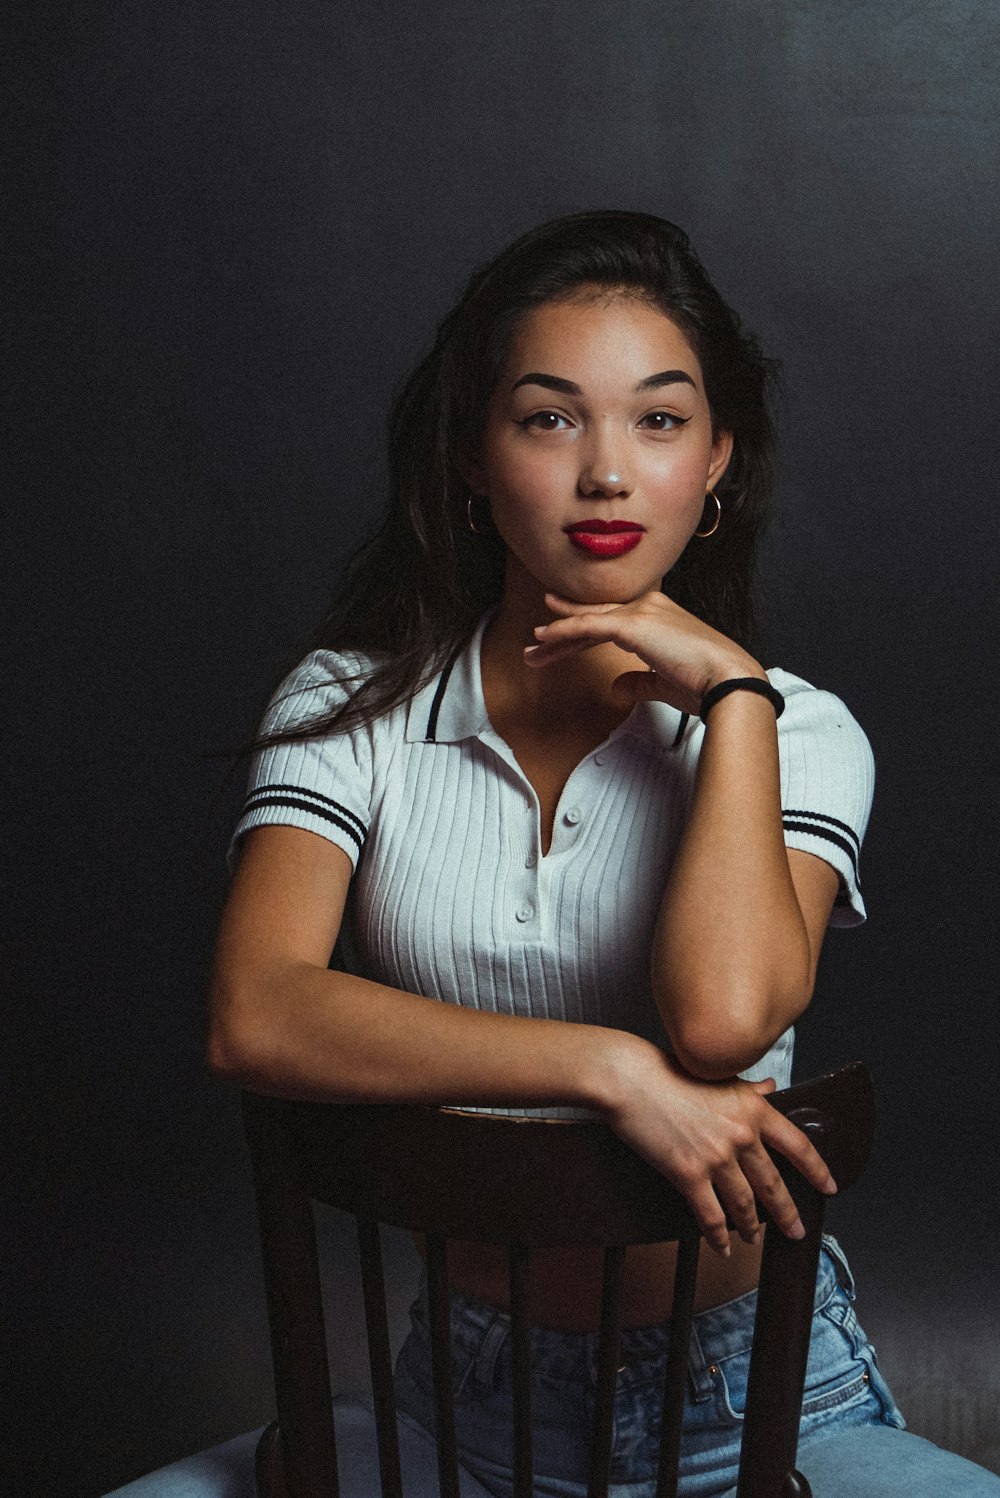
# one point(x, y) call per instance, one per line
point(535, 753)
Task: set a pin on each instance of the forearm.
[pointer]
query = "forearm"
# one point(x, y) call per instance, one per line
point(731, 959)
point(306, 1032)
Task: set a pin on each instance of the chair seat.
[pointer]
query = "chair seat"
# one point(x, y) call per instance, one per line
point(227, 1471)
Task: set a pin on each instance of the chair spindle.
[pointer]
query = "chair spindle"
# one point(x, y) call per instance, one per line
point(675, 1378)
point(444, 1402)
point(521, 1360)
point(780, 1351)
point(379, 1356)
point(608, 1347)
point(305, 1447)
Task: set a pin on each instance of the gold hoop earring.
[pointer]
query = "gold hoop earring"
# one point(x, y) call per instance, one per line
point(473, 527)
point(718, 516)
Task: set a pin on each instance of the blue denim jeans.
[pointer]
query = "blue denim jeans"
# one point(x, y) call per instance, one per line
point(845, 1392)
point(852, 1442)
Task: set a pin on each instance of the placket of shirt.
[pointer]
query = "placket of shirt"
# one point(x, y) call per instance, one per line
point(542, 875)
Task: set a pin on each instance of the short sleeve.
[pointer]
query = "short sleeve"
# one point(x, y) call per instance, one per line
point(322, 783)
point(827, 780)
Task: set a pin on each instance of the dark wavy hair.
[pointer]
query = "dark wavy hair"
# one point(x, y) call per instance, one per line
point(413, 595)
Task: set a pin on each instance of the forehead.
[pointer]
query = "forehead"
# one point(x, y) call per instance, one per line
point(601, 331)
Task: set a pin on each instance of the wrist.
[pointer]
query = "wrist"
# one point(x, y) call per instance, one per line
point(738, 667)
point(741, 689)
point(617, 1065)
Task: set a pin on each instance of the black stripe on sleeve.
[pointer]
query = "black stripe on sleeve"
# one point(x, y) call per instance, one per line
point(301, 804)
point(681, 729)
point(820, 816)
point(432, 720)
point(300, 790)
point(823, 832)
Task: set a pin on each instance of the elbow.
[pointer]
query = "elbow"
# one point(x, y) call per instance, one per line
point(236, 1050)
point(716, 1054)
point(223, 1055)
point(716, 1041)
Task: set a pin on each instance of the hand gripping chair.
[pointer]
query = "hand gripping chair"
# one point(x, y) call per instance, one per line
point(524, 1183)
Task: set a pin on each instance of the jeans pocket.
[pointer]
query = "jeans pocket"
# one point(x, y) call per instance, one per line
point(891, 1413)
point(468, 1344)
point(843, 1382)
point(730, 1380)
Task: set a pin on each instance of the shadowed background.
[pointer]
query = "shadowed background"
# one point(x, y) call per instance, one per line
point(238, 229)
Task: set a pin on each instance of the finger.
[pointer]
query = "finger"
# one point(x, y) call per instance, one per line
point(765, 1179)
point(545, 654)
point(592, 627)
point(782, 1135)
point(765, 1086)
point(709, 1214)
point(734, 1190)
point(569, 606)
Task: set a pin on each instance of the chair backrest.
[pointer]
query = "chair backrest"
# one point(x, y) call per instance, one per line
point(525, 1183)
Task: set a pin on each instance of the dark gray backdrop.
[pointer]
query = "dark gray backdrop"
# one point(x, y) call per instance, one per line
point(239, 227)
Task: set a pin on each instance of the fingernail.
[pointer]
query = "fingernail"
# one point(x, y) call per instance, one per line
point(831, 1186)
point(797, 1230)
point(540, 629)
point(724, 1249)
point(530, 649)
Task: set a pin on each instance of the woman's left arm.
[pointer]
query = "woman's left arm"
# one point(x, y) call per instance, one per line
point(742, 918)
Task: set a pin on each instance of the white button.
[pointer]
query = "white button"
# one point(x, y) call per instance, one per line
point(525, 913)
point(598, 759)
point(530, 861)
point(573, 815)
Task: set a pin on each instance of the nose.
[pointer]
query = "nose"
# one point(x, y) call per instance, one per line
point(604, 477)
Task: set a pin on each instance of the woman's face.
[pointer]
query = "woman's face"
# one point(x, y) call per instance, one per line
point(598, 449)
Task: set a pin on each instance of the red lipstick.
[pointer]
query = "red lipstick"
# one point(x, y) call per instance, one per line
point(605, 538)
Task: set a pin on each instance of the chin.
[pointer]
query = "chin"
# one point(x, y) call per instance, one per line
point(603, 586)
point(609, 581)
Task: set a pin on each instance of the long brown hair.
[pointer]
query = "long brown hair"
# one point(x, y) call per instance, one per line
point(413, 595)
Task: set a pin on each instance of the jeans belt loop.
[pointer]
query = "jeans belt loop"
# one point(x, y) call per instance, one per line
point(484, 1369)
point(845, 1278)
point(701, 1379)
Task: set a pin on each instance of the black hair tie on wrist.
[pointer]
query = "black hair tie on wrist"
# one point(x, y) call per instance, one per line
point(741, 684)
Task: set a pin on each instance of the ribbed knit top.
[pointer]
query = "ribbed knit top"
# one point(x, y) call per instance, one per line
point(452, 897)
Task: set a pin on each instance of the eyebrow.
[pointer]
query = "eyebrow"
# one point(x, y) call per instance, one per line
point(567, 387)
point(666, 377)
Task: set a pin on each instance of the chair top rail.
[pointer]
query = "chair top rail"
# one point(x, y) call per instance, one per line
point(504, 1179)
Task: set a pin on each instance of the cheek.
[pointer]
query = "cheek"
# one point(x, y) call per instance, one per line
point(521, 483)
point(679, 482)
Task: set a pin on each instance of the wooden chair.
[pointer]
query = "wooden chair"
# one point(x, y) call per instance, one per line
point(525, 1183)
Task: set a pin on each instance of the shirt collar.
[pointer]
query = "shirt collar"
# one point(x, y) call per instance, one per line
point(451, 707)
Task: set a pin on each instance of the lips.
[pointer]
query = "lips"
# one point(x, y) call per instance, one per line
point(605, 538)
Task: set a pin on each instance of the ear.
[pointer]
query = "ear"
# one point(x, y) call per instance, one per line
point(471, 472)
point(722, 451)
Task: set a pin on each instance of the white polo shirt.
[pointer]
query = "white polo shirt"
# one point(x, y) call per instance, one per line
point(452, 898)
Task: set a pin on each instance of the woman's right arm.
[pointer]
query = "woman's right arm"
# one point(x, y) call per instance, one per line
point(282, 1022)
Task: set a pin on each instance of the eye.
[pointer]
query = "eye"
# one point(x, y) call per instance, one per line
point(544, 421)
point(662, 421)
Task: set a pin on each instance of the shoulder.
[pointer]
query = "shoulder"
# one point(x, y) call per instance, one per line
point(323, 681)
point(322, 780)
point(819, 719)
point(827, 782)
